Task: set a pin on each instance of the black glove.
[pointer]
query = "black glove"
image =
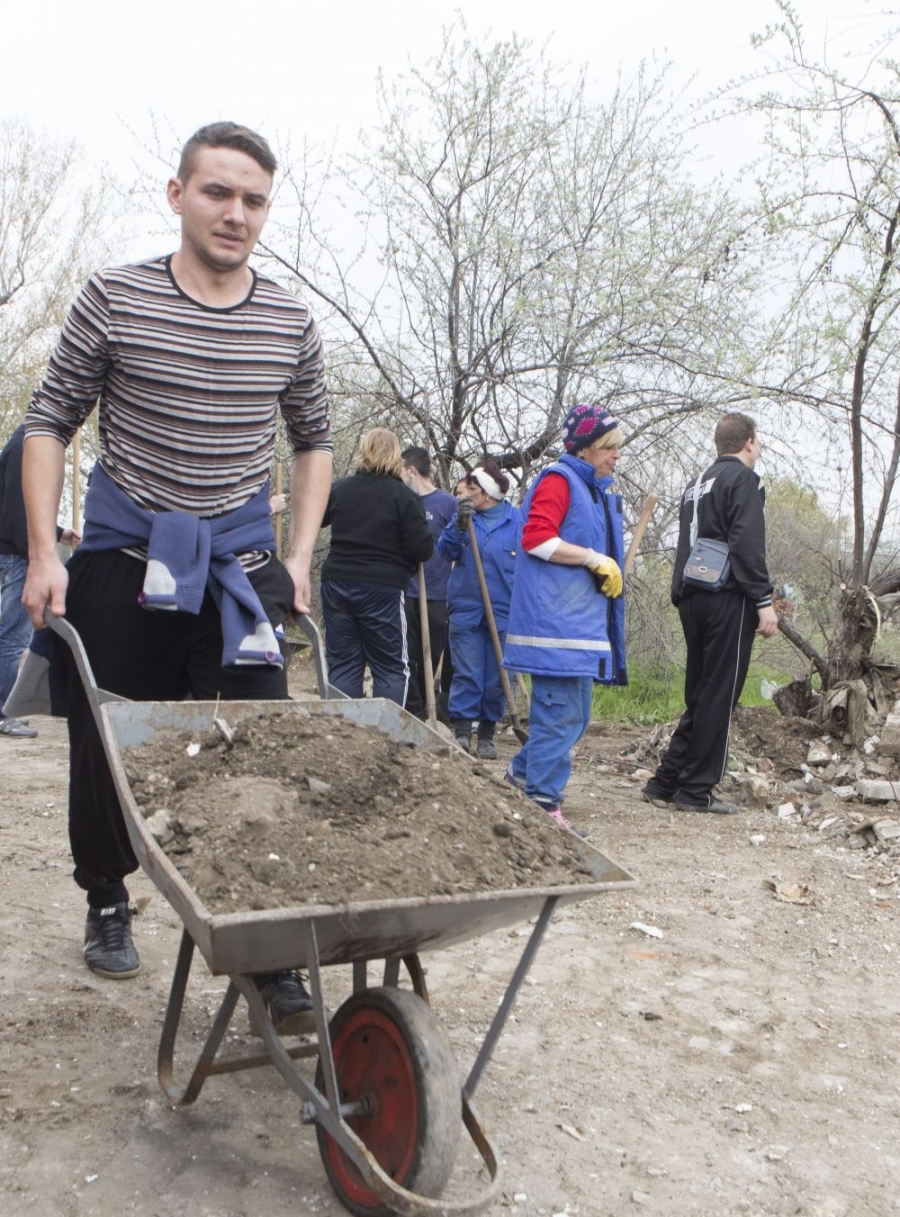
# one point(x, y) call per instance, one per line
point(464, 512)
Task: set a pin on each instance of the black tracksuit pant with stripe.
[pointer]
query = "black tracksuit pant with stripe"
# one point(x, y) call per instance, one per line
point(719, 629)
point(143, 656)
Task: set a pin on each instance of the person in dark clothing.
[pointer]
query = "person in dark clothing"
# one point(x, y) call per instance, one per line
point(440, 508)
point(718, 626)
point(379, 534)
point(15, 624)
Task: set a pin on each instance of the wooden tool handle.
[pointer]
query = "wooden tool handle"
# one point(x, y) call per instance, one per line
point(639, 529)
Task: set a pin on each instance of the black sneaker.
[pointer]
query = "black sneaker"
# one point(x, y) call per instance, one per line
point(713, 806)
point(290, 1006)
point(462, 731)
point(108, 948)
point(485, 749)
point(651, 793)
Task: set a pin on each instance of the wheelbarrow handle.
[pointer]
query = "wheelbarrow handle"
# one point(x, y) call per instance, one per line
point(96, 696)
point(313, 633)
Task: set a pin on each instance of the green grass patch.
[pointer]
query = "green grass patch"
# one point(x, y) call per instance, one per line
point(652, 696)
point(655, 695)
point(753, 694)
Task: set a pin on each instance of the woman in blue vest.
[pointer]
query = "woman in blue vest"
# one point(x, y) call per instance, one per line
point(477, 692)
point(567, 617)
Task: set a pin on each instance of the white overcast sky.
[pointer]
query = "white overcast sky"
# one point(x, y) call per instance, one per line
point(102, 71)
point(97, 69)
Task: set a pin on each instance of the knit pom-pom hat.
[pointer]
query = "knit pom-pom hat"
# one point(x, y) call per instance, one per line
point(584, 424)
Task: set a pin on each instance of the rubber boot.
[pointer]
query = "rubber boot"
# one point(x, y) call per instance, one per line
point(485, 746)
point(462, 729)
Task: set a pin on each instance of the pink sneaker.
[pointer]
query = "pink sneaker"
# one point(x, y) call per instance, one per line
point(555, 813)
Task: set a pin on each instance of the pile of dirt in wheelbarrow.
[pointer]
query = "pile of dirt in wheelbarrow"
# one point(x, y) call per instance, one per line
point(302, 809)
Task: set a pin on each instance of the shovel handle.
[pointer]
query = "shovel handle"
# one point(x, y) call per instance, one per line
point(495, 635)
point(430, 704)
point(639, 529)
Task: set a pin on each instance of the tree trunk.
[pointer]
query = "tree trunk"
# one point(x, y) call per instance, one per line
point(854, 635)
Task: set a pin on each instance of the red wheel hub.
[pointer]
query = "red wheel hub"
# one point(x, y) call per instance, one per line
point(372, 1062)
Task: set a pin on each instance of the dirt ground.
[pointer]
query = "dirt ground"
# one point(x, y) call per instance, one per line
point(738, 1054)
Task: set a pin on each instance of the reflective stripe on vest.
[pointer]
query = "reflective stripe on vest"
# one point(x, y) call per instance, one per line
point(561, 644)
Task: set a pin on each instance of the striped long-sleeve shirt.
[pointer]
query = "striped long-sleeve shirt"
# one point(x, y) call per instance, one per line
point(188, 395)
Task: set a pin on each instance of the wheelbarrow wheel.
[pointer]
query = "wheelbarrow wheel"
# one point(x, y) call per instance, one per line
point(390, 1050)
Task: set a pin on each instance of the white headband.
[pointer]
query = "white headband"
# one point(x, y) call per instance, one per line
point(487, 483)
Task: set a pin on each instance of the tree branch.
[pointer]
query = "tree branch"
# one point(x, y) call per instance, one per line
point(803, 646)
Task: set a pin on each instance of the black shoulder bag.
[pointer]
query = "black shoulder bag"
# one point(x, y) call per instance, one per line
point(708, 566)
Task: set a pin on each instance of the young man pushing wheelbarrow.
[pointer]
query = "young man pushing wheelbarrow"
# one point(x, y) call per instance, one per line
point(191, 357)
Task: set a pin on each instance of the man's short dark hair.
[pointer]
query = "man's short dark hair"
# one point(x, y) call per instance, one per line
point(418, 459)
point(732, 432)
point(226, 135)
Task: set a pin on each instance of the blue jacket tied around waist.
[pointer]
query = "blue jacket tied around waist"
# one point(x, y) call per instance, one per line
point(559, 623)
point(187, 554)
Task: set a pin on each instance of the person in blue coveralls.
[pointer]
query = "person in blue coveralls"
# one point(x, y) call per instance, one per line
point(477, 691)
point(567, 617)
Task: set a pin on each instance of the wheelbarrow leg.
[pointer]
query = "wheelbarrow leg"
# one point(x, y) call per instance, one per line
point(414, 969)
point(509, 997)
point(413, 965)
point(165, 1056)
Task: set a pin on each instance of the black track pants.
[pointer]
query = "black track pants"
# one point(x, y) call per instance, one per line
point(719, 630)
point(144, 656)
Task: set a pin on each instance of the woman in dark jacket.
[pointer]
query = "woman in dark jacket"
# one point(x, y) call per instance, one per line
point(379, 535)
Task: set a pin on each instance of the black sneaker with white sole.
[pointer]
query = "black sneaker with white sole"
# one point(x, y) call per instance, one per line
point(290, 1006)
point(654, 794)
point(712, 806)
point(108, 948)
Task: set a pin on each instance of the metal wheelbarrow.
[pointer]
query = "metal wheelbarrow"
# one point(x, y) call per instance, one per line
point(386, 1102)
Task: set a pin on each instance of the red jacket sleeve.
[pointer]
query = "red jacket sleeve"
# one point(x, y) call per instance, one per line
point(549, 506)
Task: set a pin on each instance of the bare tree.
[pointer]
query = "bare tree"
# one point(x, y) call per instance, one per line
point(521, 247)
point(52, 227)
point(830, 195)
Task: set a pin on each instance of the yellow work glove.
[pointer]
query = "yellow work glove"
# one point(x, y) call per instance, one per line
point(606, 572)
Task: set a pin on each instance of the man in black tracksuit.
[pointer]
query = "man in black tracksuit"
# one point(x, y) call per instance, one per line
point(718, 626)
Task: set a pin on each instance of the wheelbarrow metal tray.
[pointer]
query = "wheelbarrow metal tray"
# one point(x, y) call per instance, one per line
point(270, 939)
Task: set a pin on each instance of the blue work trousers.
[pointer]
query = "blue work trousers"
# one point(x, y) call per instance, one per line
point(365, 623)
point(15, 624)
point(476, 691)
point(559, 714)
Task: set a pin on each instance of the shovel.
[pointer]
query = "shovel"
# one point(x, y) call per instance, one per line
point(430, 705)
point(521, 733)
